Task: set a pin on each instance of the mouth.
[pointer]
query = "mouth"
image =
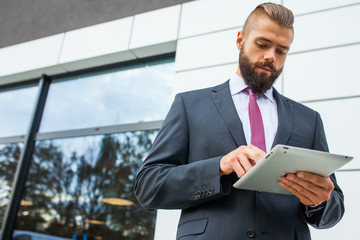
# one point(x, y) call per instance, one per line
point(266, 69)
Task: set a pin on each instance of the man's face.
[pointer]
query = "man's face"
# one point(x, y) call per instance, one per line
point(258, 81)
point(263, 53)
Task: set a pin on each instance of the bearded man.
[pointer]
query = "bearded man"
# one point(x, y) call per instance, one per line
point(208, 141)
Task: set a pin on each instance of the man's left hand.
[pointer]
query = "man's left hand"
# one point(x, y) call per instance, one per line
point(311, 189)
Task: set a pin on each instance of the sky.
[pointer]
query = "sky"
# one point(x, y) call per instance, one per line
point(118, 97)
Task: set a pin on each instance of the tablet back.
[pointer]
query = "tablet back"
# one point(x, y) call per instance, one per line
point(281, 160)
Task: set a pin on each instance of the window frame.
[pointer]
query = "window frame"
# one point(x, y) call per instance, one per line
point(33, 135)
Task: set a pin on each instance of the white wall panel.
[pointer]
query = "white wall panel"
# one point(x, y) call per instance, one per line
point(97, 40)
point(207, 50)
point(305, 6)
point(322, 74)
point(348, 227)
point(328, 28)
point(279, 84)
point(203, 78)
point(31, 55)
point(155, 27)
point(166, 224)
point(205, 16)
point(341, 122)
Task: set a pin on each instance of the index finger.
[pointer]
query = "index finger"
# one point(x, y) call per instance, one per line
point(324, 182)
point(254, 153)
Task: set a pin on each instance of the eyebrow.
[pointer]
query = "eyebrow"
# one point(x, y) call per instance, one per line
point(267, 40)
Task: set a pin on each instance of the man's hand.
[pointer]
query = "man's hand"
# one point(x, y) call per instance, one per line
point(240, 160)
point(309, 188)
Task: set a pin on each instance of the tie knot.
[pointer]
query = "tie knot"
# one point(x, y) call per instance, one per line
point(251, 93)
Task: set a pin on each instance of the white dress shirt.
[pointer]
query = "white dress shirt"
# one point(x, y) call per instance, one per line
point(267, 105)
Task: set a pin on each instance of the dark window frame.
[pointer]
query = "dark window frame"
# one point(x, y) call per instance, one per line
point(33, 135)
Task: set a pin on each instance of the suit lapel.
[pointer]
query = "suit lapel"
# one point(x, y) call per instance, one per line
point(285, 119)
point(225, 105)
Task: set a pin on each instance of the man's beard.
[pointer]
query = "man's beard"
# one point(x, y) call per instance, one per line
point(258, 82)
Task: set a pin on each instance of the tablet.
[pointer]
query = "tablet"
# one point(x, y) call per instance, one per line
point(281, 160)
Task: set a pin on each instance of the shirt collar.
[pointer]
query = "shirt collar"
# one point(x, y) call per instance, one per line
point(237, 85)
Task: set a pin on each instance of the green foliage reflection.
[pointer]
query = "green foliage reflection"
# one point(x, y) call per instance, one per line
point(9, 156)
point(66, 189)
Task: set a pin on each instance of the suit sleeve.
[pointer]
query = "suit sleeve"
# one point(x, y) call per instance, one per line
point(167, 180)
point(330, 212)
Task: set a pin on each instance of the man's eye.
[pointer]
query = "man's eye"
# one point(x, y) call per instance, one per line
point(260, 45)
point(281, 52)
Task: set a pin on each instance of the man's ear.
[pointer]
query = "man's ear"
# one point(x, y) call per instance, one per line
point(240, 39)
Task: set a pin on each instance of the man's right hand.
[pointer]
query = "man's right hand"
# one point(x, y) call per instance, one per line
point(241, 160)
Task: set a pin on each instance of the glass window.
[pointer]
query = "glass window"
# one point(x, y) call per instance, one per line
point(16, 108)
point(9, 157)
point(123, 96)
point(22, 237)
point(84, 185)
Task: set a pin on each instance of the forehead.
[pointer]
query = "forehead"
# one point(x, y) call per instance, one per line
point(265, 28)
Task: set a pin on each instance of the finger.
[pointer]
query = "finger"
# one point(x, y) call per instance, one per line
point(247, 154)
point(302, 186)
point(303, 199)
point(323, 182)
point(306, 189)
point(321, 186)
point(254, 153)
point(241, 165)
point(240, 160)
point(245, 162)
point(238, 169)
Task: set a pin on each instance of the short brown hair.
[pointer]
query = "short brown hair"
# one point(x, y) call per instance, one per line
point(278, 13)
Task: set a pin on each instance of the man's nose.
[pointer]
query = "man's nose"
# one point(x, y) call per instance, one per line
point(270, 56)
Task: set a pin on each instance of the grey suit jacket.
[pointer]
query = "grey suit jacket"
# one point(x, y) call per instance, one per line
point(182, 172)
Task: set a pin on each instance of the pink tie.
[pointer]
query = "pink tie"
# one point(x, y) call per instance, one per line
point(256, 123)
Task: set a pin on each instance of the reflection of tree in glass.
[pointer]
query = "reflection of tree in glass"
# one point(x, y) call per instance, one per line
point(9, 156)
point(67, 192)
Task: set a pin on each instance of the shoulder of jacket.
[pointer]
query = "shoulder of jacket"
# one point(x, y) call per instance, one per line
point(203, 91)
point(295, 104)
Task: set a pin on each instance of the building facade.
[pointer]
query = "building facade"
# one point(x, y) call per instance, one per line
point(163, 49)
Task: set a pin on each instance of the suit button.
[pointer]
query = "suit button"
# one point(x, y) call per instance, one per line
point(197, 195)
point(206, 192)
point(250, 233)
